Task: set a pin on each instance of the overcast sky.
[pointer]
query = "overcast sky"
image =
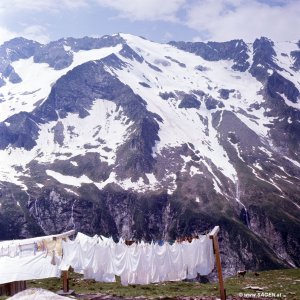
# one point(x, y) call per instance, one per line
point(158, 20)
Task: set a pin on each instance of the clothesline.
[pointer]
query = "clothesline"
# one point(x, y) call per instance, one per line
point(52, 243)
point(160, 242)
point(37, 239)
point(102, 259)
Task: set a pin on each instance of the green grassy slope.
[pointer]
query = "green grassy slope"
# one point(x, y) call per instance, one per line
point(284, 284)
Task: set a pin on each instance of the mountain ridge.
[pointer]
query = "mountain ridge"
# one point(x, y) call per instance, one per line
point(153, 141)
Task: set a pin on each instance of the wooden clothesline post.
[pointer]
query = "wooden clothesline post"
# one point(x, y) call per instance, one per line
point(65, 281)
point(213, 236)
point(65, 274)
point(65, 284)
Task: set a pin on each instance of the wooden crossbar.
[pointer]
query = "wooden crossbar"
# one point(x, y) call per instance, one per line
point(64, 234)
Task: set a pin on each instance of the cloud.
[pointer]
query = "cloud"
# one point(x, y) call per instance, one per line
point(145, 10)
point(197, 39)
point(222, 20)
point(37, 33)
point(218, 20)
point(33, 32)
point(74, 4)
point(12, 6)
point(11, 9)
point(168, 36)
point(6, 34)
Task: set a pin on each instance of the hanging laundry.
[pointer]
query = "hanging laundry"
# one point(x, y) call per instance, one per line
point(27, 268)
point(33, 258)
point(102, 259)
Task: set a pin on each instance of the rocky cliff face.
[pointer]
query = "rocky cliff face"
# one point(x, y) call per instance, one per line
point(126, 137)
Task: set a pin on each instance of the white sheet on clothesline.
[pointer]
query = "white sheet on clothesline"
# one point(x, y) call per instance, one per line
point(102, 259)
point(27, 268)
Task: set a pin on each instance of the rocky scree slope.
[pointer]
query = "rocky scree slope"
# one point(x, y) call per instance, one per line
point(126, 137)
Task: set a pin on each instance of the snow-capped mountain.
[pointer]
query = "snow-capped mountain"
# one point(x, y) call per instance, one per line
point(127, 137)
